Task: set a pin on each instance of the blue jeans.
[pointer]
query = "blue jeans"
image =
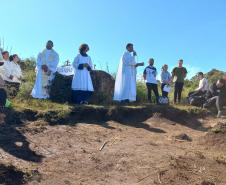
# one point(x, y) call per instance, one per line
point(79, 96)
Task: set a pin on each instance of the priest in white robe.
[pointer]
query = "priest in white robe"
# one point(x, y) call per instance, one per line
point(46, 67)
point(125, 83)
point(82, 86)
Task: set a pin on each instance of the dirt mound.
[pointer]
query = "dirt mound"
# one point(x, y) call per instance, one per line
point(215, 137)
point(187, 170)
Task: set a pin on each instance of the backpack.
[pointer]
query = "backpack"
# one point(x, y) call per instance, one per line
point(163, 100)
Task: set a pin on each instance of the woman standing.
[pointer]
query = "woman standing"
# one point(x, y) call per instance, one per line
point(165, 80)
point(13, 75)
point(82, 86)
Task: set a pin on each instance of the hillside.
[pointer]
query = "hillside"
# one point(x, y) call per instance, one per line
point(44, 142)
point(112, 145)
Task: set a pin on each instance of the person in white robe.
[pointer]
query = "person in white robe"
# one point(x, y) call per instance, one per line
point(82, 86)
point(46, 67)
point(125, 83)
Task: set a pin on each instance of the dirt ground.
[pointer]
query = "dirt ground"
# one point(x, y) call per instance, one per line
point(154, 151)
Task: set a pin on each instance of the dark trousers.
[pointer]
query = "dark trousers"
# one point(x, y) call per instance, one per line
point(219, 100)
point(196, 93)
point(164, 93)
point(152, 87)
point(177, 91)
point(12, 88)
point(3, 97)
point(80, 96)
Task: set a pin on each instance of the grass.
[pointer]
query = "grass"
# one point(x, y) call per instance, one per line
point(24, 100)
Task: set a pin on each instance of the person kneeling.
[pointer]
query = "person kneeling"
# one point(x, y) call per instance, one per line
point(197, 97)
point(216, 95)
point(82, 86)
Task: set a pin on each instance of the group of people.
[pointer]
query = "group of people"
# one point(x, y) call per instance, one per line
point(207, 95)
point(10, 74)
point(125, 83)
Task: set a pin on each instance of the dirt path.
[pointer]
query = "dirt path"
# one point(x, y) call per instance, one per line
point(116, 153)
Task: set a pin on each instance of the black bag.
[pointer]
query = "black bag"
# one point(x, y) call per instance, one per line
point(3, 97)
point(196, 100)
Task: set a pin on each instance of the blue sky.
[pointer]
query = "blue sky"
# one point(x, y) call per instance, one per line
point(194, 30)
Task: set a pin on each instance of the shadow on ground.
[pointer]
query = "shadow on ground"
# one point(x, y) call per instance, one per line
point(13, 141)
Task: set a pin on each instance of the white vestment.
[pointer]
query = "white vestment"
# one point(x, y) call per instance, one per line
point(12, 68)
point(82, 80)
point(125, 83)
point(51, 59)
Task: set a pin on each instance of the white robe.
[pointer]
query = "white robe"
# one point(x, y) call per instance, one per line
point(125, 83)
point(82, 80)
point(2, 68)
point(51, 59)
point(12, 68)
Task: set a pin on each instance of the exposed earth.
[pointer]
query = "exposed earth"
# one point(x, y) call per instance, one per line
point(122, 146)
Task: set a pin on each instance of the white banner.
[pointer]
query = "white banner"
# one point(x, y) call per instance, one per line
point(66, 70)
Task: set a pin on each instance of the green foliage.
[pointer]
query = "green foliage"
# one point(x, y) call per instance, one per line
point(141, 92)
point(28, 67)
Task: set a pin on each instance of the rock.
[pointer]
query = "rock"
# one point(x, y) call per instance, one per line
point(183, 137)
point(103, 83)
point(207, 183)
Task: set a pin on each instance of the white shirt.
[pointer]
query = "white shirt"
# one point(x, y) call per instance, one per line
point(12, 68)
point(203, 85)
point(151, 74)
point(2, 69)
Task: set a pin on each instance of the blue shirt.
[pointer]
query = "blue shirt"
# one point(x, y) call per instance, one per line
point(165, 77)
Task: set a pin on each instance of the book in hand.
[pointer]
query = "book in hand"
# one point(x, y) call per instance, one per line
point(140, 64)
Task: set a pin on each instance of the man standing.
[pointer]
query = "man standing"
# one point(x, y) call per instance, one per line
point(178, 75)
point(46, 67)
point(125, 83)
point(150, 74)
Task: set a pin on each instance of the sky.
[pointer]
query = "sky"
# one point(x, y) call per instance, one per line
point(194, 30)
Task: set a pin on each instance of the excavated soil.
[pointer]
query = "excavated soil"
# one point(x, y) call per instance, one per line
point(122, 146)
